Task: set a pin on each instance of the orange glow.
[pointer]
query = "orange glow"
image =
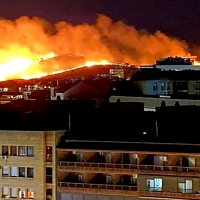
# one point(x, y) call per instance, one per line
point(27, 42)
point(196, 63)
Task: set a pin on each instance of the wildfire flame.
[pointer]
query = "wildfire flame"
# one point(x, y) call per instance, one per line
point(26, 42)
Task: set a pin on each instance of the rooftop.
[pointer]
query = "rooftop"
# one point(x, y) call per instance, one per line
point(130, 146)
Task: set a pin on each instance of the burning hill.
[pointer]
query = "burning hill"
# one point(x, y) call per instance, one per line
point(29, 44)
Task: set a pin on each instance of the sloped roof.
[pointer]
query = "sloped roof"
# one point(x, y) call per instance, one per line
point(82, 90)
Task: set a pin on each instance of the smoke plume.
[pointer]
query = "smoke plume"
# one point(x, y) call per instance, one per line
point(105, 40)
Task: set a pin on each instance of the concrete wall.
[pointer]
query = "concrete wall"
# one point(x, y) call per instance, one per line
point(154, 102)
point(67, 196)
point(148, 87)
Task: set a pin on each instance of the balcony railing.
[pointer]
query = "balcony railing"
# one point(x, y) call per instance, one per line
point(127, 190)
point(97, 186)
point(129, 166)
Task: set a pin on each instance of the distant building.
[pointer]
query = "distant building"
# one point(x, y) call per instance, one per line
point(156, 82)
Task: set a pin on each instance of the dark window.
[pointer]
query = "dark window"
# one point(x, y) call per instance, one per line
point(4, 150)
point(48, 175)
point(21, 171)
point(49, 153)
point(13, 150)
point(163, 86)
point(155, 86)
point(30, 172)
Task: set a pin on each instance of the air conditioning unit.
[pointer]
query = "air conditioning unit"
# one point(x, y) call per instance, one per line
point(135, 176)
point(135, 156)
point(4, 157)
point(164, 158)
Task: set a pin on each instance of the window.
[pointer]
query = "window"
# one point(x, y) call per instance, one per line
point(49, 154)
point(169, 86)
point(13, 150)
point(155, 86)
point(5, 192)
point(4, 150)
point(154, 184)
point(30, 194)
point(21, 171)
point(48, 194)
point(30, 151)
point(21, 151)
point(163, 86)
point(22, 193)
point(185, 187)
point(197, 86)
point(14, 171)
point(14, 192)
point(48, 175)
point(108, 179)
point(80, 178)
point(5, 171)
point(30, 172)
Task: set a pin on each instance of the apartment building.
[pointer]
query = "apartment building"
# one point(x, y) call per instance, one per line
point(89, 170)
point(27, 164)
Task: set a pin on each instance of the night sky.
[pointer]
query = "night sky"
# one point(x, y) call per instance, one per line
point(179, 18)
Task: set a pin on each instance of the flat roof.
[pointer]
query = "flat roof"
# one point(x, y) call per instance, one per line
point(130, 146)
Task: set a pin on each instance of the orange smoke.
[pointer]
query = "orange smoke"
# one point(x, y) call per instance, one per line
point(27, 42)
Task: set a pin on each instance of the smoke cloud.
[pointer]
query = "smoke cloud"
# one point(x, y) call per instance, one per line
point(104, 40)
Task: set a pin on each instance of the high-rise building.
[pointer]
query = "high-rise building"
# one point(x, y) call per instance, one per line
point(27, 164)
point(89, 170)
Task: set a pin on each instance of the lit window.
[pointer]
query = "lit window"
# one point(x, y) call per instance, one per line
point(48, 194)
point(14, 192)
point(21, 151)
point(30, 194)
point(22, 193)
point(30, 151)
point(5, 192)
point(154, 184)
point(5, 171)
point(49, 154)
point(14, 171)
point(30, 172)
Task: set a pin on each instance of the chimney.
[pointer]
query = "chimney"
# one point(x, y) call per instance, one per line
point(52, 92)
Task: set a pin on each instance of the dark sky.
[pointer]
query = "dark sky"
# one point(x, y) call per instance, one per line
point(179, 18)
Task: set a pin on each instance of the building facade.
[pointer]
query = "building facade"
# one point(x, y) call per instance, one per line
point(126, 174)
point(27, 164)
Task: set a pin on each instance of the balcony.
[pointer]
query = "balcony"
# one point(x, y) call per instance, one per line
point(127, 168)
point(89, 188)
point(97, 188)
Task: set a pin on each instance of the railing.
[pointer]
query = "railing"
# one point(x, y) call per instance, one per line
point(128, 189)
point(97, 186)
point(129, 166)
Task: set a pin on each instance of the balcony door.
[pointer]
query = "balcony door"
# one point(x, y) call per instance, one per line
point(108, 179)
point(80, 178)
point(185, 187)
point(108, 158)
point(154, 184)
